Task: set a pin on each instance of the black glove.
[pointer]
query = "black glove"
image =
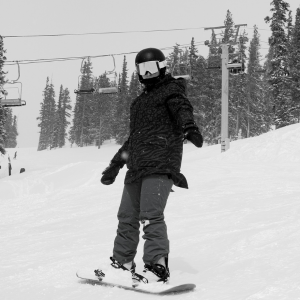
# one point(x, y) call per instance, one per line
point(193, 134)
point(110, 174)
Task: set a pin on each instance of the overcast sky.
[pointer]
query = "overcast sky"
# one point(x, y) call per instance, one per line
point(31, 17)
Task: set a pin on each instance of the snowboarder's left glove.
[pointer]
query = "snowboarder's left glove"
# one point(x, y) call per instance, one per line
point(192, 133)
point(110, 174)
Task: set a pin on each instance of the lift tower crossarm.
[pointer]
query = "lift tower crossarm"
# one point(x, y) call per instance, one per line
point(221, 27)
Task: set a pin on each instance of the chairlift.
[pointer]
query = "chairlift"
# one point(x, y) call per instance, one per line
point(236, 67)
point(181, 66)
point(112, 76)
point(80, 91)
point(8, 101)
point(95, 87)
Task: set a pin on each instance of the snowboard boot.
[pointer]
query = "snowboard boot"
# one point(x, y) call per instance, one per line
point(126, 267)
point(129, 267)
point(158, 272)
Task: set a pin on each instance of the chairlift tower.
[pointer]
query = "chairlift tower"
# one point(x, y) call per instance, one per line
point(226, 66)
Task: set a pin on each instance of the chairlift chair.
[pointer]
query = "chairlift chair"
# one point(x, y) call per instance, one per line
point(96, 88)
point(8, 101)
point(111, 75)
point(80, 91)
point(237, 66)
point(184, 65)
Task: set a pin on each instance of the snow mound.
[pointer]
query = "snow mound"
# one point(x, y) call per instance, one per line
point(279, 145)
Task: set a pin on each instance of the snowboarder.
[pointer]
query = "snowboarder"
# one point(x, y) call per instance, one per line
point(160, 119)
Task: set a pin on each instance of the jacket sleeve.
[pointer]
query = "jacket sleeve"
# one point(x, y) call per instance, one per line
point(179, 105)
point(119, 159)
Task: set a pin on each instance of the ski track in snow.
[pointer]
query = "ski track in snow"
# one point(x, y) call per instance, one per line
point(234, 232)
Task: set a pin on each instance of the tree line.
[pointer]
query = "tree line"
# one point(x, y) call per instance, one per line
point(8, 122)
point(53, 117)
point(265, 96)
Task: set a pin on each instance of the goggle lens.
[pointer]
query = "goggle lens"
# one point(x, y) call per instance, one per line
point(148, 66)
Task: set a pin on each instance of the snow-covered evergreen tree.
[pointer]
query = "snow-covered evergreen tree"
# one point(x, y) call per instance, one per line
point(123, 106)
point(278, 73)
point(2, 60)
point(211, 90)
point(47, 117)
point(80, 132)
point(257, 113)
point(65, 114)
point(238, 115)
point(2, 129)
point(57, 119)
point(2, 109)
point(294, 64)
point(61, 118)
point(10, 129)
point(102, 118)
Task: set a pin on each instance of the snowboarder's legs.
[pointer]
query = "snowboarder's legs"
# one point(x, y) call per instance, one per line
point(128, 232)
point(145, 201)
point(154, 194)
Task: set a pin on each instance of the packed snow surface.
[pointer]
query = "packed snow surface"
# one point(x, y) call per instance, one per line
point(235, 232)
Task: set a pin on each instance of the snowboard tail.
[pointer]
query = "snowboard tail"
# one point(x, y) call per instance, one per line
point(172, 290)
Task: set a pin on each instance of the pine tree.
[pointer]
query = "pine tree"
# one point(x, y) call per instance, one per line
point(10, 129)
point(238, 110)
point(2, 109)
point(14, 133)
point(123, 105)
point(2, 129)
point(228, 33)
point(196, 85)
point(257, 113)
point(295, 65)
point(42, 118)
point(2, 60)
point(212, 85)
point(57, 120)
point(102, 118)
point(64, 115)
point(80, 132)
point(135, 86)
point(174, 60)
point(279, 64)
point(47, 117)
point(236, 97)
point(193, 56)
point(51, 108)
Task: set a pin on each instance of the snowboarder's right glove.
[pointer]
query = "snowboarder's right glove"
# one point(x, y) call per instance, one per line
point(192, 133)
point(110, 174)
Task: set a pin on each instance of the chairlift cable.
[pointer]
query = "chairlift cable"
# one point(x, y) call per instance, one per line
point(44, 60)
point(97, 33)
point(110, 32)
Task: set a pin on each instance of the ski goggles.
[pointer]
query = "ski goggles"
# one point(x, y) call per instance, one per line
point(150, 66)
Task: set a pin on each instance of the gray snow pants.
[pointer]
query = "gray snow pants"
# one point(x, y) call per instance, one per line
point(144, 201)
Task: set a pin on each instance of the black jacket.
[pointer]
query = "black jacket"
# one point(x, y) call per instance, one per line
point(157, 119)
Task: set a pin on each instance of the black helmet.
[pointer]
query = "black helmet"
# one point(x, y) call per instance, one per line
point(149, 54)
point(153, 55)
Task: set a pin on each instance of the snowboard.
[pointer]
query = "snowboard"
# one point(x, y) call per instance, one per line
point(172, 290)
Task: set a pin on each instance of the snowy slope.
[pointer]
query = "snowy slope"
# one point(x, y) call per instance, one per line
point(234, 232)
